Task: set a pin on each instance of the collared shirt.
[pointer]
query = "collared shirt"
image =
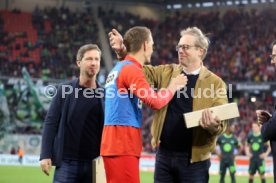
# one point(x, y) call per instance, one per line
point(195, 72)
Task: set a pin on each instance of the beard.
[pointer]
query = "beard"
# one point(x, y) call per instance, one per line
point(90, 74)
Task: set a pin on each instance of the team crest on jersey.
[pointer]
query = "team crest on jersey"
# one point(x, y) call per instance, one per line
point(111, 78)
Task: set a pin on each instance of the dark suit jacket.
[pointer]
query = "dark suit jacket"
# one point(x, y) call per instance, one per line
point(269, 133)
point(61, 109)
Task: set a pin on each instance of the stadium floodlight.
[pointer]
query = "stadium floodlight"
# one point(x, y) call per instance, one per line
point(169, 6)
point(208, 4)
point(229, 3)
point(197, 5)
point(274, 94)
point(189, 5)
point(177, 6)
point(254, 1)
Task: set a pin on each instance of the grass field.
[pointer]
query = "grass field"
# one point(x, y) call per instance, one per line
point(15, 174)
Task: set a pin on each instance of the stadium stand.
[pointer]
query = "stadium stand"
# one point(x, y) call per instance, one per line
point(46, 40)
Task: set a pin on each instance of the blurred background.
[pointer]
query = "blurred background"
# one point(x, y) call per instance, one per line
point(39, 40)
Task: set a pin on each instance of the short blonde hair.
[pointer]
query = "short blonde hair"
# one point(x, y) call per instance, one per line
point(202, 40)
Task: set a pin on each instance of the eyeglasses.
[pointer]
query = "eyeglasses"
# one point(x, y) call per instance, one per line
point(184, 47)
point(272, 56)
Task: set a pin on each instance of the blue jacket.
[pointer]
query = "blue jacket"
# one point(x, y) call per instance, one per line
point(269, 133)
point(61, 109)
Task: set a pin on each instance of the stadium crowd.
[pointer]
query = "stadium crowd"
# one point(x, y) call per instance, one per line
point(60, 32)
point(239, 49)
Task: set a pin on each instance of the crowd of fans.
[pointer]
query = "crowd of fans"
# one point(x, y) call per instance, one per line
point(239, 48)
point(60, 33)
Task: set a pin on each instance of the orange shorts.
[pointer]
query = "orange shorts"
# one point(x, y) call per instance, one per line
point(122, 169)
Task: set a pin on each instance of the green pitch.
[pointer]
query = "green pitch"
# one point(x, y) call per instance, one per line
point(147, 177)
point(15, 174)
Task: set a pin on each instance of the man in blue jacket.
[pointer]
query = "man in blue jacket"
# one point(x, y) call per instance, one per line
point(268, 121)
point(73, 125)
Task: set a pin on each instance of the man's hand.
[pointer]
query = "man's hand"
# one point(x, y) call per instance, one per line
point(177, 83)
point(46, 165)
point(116, 40)
point(263, 116)
point(208, 122)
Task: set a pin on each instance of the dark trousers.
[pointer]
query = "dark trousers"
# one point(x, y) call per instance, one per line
point(175, 167)
point(230, 164)
point(74, 171)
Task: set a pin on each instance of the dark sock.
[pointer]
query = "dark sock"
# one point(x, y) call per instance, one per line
point(222, 175)
point(233, 179)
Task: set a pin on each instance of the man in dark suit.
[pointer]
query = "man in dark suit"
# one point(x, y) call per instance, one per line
point(268, 121)
point(73, 125)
